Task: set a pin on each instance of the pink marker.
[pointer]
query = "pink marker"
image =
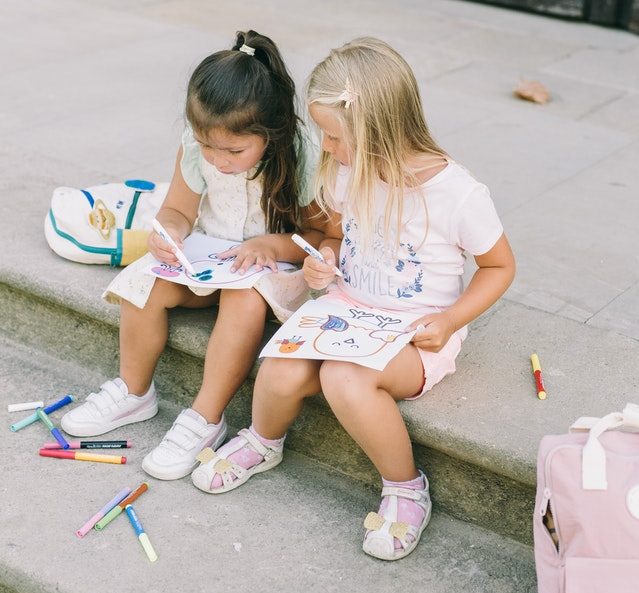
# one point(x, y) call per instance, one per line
point(119, 497)
point(91, 445)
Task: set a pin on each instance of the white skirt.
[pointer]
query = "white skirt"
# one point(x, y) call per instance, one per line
point(284, 292)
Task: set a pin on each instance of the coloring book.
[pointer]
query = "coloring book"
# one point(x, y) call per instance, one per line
point(201, 250)
point(332, 329)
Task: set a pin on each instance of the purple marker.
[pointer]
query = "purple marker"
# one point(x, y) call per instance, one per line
point(67, 399)
point(119, 497)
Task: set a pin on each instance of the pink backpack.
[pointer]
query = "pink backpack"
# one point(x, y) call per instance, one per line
point(586, 522)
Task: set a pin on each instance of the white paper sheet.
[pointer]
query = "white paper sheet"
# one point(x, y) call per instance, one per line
point(211, 272)
point(328, 329)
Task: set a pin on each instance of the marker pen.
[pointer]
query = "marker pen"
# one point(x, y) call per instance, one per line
point(116, 510)
point(539, 384)
point(54, 431)
point(306, 246)
point(81, 456)
point(91, 445)
point(67, 399)
point(24, 406)
point(159, 229)
point(142, 536)
point(103, 511)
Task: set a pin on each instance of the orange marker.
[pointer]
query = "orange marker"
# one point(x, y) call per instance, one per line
point(541, 390)
point(81, 456)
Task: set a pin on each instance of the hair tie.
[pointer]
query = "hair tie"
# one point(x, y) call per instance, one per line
point(247, 49)
point(348, 95)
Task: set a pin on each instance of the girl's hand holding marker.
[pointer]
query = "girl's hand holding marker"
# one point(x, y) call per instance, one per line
point(173, 255)
point(319, 269)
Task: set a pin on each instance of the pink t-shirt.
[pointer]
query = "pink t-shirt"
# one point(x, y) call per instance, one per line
point(424, 275)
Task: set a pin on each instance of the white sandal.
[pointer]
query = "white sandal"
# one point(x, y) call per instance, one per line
point(232, 474)
point(379, 540)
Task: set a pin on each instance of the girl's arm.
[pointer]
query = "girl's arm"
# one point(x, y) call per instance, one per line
point(177, 215)
point(319, 275)
point(266, 250)
point(496, 272)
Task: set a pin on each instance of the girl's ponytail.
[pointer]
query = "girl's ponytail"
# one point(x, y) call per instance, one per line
point(248, 90)
point(280, 168)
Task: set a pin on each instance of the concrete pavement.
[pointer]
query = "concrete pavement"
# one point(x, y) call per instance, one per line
point(93, 91)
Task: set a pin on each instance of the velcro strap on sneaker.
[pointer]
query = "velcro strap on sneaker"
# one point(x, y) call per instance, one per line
point(113, 390)
point(180, 439)
point(193, 425)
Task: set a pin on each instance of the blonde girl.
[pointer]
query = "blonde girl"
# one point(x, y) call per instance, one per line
point(240, 175)
point(403, 215)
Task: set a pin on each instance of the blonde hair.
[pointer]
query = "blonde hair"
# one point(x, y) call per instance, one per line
point(374, 95)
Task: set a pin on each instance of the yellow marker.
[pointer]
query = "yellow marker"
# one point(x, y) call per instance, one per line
point(541, 390)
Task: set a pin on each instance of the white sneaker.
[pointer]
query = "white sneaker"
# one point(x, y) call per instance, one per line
point(109, 409)
point(174, 457)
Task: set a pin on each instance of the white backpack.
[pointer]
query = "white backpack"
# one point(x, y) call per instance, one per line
point(104, 224)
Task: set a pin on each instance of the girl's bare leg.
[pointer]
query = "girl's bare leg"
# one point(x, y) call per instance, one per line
point(364, 402)
point(144, 332)
point(231, 350)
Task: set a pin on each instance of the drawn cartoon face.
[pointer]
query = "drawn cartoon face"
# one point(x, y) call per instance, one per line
point(288, 345)
point(339, 337)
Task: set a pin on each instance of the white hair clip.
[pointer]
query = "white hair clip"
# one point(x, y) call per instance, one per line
point(247, 49)
point(348, 95)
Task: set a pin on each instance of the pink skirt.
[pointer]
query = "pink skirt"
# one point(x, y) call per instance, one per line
point(436, 365)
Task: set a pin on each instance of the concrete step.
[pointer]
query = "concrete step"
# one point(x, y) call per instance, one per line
point(295, 528)
point(476, 434)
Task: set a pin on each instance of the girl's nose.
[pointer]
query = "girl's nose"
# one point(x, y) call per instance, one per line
point(219, 161)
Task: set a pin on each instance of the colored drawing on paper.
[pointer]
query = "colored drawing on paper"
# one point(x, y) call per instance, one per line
point(165, 271)
point(288, 345)
point(342, 338)
point(210, 270)
point(330, 329)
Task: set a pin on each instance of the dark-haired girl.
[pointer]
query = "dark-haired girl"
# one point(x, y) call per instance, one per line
point(240, 175)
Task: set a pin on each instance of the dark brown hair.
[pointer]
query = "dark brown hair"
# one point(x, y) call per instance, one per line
point(246, 94)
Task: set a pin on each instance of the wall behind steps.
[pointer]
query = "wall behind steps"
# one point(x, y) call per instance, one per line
point(621, 14)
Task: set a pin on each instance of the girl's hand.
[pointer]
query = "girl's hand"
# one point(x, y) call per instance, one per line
point(161, 250)
point(437, 330)
point(319, 275)
point(256, 251)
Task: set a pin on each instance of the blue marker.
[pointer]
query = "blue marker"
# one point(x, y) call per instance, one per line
point(54, 431)
point(142, 536)
point(306, 246)
point(67, 399)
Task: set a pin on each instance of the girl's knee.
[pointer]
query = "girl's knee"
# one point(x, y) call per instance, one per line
point(287, 377)
point(346, 381)
point(246, 299)
point(166, 294)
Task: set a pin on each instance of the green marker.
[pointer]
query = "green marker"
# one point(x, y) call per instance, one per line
point(54, 431)
point(119, 508)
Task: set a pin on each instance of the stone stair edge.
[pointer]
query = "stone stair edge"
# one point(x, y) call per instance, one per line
point(189, 331)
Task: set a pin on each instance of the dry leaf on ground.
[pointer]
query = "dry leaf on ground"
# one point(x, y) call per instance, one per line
point(532, 90)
